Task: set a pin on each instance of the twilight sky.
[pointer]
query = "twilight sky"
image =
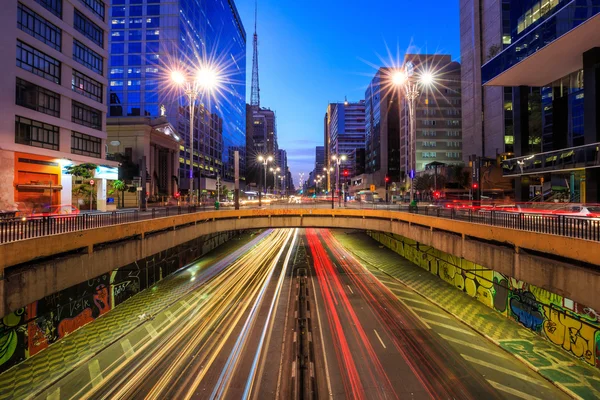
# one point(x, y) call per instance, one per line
point(314, 52)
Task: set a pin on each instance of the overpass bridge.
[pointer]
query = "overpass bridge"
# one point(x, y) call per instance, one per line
point(546, 255)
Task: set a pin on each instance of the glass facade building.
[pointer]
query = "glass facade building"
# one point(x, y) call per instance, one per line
point(147, 38)
point(552, 66)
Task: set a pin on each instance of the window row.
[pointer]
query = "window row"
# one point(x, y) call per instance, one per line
point(38, 63)
point(138, 22)
point(86, 115)
point(54, 6)
point(86, 86)
point(85, 56)
point(38, 27)
point(135, 47)
point(36, 133)
point(37, 98)
point(88, 28)
point(135, 11)
point(86, 145)
point(134, 35)
point(96, 6)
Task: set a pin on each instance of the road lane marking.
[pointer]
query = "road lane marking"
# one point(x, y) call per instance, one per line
point(351, 291)
point(327, 376)
point(95, 373)
point(502, 369)
point(127, 349)
point(55, 395)
point(414, 300)
point(379, 337)
point(151, 330)
point(474, 346)
point(170, 315)
point(514, 392)
point(431, 312)
point(414, 313)
point(453, 328)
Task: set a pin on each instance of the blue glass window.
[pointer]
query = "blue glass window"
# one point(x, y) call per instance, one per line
point(85, 56)
point(135, 47)
point(134, 60)
point(118, 36)
point(117, 60)
point(153, 10)
point(151, 97)
point(152, 47)
point(38, 27)
point(153, 22)
point(89, 29)
point(54, 6)
point(134, 72)
point(135, 11)
point(135, 35)
point(117, 11)
point(117, 48)
point(133, 97)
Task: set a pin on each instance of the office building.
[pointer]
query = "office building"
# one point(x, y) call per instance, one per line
point(264, 139)
point(53, 99)
point(437, 115)
point(319, 160)
point(346, 131)
point(553, 66)
point(150, 37)
point(487, 117)
point(382, 130)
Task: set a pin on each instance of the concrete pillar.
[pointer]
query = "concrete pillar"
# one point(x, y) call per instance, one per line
point(101, 194)
point(7, 179)
point(591, 117)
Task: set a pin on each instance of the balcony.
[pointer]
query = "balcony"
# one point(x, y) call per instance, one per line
point(572, 158)
point(557, 44)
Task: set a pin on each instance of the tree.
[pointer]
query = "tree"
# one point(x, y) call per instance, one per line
point(120, 187)
point(84, 171)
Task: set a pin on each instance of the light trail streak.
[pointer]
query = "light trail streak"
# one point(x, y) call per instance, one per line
point(251, 376)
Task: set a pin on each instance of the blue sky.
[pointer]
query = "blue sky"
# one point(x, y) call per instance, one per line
point(313, 52)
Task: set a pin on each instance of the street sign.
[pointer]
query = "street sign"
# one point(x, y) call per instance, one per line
point(92, 182)
point(372, 188)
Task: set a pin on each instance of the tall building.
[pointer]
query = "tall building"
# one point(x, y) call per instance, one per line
point(553, 66)
point(319, 160)
point(53, 98)
point(264, 137)
point(346, 131)
point(438, 131)
point(150, 37)
point(487, 118)
point(382, 129)
point(283, 166)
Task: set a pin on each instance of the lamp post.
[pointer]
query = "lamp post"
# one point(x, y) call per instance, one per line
point(265, 160)
point(337, 159)
point(275, 170)
point(283, 188)
point(328, 172)
point(203, 79)
point(410, 83)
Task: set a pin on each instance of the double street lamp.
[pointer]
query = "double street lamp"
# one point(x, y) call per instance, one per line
point(337, 159)
point(200, 82)
point(265, 160)
point(411, 83)
point(328, 171)
point(275, 170)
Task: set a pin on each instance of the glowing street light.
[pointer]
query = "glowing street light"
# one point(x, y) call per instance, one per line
point(265, 160)
point(274, 170)
point(203, 81)
point(410, 83)
point(337, 159)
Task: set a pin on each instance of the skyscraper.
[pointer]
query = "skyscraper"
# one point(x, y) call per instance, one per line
point(57, 117)
point(150, 37)
point(319, 160)
point(437, 114)
point(346, 130)
point(382, 129)
point(552, 64)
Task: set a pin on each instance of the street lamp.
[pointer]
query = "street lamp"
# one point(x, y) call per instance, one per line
point(338, 160)
point(275, 171)
point(410, 83)
point(283, 188)
point(201, 82)
point(328, 172)
point(265, 160)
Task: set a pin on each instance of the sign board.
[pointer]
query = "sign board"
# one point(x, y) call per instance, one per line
point(139, 188)
point(92, 182)
point(372, 188)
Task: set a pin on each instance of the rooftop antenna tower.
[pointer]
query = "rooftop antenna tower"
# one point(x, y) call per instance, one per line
point(255, 91)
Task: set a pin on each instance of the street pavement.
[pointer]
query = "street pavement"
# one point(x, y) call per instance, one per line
point(498, 343)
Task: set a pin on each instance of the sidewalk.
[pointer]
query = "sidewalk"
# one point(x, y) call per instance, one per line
point(62, 357)
point(570, 374)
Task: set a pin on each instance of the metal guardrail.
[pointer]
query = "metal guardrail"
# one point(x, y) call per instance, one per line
point(14, 229)
point(19, 228)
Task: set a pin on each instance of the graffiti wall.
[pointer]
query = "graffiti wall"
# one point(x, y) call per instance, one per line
point(572, 326)
point(33, 328)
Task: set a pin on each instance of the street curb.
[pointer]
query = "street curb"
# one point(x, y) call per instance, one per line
point(559, 385)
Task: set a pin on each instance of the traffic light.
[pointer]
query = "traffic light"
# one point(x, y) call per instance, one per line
point(346, 173)
point(475, 186)
point(387, 179)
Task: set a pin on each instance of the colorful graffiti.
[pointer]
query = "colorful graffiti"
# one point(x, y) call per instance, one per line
point(33, 328)
point(572, 326)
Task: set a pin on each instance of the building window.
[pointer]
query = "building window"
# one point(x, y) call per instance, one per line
point(54, 6)
point(87, 57)
point(429, 154)
point(38, 63)
point(429, 144)
point(85, 145)
point(96, 6)
point(37, 98)
point(88, 28)
point(86, 86)
point(36, 133)
point(85, 115)
point(38, 27)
